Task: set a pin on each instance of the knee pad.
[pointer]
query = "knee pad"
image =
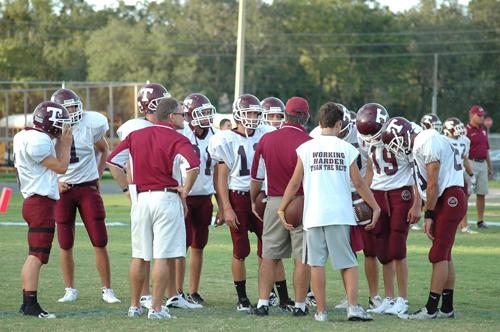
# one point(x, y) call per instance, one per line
point(241, 245)
point(99, 236)
point(65, 235)
point(397, 245)
point(40, 243)
point(438, 254)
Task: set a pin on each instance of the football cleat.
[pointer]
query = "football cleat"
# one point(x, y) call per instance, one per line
point(357, 313)
point(373, 302)
point(274, 301)
point(288, 305)
point(179, 301)
point(70, 296)
point(419, 315)
point(159, 315)
point(321, 316)
point(134, 312)
point(482, 224)
point(342, 305)
point(37, 311)
point(297, 312)
point(261, 311)
point(310, 299)
point(397, 306)
point(244, 305)
point(195, 298)
point(441, 314)
point(386, 304)
point(109, 296)
point(467, 230)
point(146, 301)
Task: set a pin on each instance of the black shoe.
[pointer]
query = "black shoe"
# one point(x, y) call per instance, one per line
point(21, 310)
point(299, 312)
point(481, 224)
point(37, 311)
point(287, 305)
point(261, 311)
point(244, 305)
point(196, 298)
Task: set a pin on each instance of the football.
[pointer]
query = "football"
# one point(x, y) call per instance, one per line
point(260, 204)
point(362, 211)
point(294, 210)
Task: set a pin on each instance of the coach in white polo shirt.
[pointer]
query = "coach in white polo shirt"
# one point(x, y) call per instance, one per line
point(158, 230)
point(326, 166)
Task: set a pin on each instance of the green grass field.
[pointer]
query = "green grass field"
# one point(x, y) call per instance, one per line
point(476, 295)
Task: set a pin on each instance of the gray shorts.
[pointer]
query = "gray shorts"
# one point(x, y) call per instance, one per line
point(333, 241)
point(480, 170)
point(278, 242)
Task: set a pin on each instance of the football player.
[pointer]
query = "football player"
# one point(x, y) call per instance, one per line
point(454, 130)
point(233, 150)
point(273, 112)
point(440, 180)
point(391, 181)
point(79, 190)
point(431, 121)
point(37, 162)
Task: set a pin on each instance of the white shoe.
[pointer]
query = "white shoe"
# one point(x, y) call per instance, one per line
point(310, 300)
point(179, 301)
point(386, 304)
point(419, 315)
point(398, 306)
point(416, 227)
point(468, 230)
point(273, 300)
point(146, 301)
point(441, 314)
point(162, 314)
point(109, 296)
point(70, 296)
point(373, 302)
point(342, 305)
point(321, 316)
point(357, 313)
point(134, 312)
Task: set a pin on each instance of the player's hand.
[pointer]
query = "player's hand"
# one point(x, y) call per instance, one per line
point(428, 223)
point(230, 218)
point(63, 187)
point(98, 185)
point(254, 211)
point(414, 215)
point(490, 173)
point(66, 136)
point(182, 192)
point(375, 216)
point(285, 224)
point(127, 194)
point(219, 218)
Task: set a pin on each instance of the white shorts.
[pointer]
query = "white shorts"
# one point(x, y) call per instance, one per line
point(158, 230)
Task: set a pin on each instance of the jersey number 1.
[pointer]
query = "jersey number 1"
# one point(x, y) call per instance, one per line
point(73, 158)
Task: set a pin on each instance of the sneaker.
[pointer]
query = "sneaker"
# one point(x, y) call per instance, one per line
point(109, 296)
point(244, 305)
point(179, 301)
point(386, 304)
point(342, 305)
point(70, 296)
point(397, 306)
point(419, 315)
point(288, 305)
point(37, 311)
point(416, 227)
point(373, 302)
point(195, 298)
point(468, 230)
point(146, 301)
point(321, 316)
point(261, 311)
point(297, 312)
point(134, 312)
point(441, 314)
point(481, 224)
point(310, 299)
point(162, 314)
point(274, 301)
point(357, 313)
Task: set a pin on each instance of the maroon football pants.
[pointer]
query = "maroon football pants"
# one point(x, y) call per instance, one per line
point(198, 220)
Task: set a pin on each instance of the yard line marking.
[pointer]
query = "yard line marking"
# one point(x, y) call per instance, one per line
point(108, 224)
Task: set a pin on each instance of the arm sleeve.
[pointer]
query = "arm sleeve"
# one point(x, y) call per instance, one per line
point(40, 150)
point(99, 127)
point(258, 168)
point(120, 154)
point(220, 150)
point(186, 150)
point(352, 156)
point(430, 151)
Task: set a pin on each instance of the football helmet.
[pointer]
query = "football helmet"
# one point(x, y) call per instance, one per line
point(51, 117)
point(369, 121)
point(346, 122)
point(149, 96)
point(199, 110)
point(431, 121)
point(453, 127)
point(273, 105)
point(67, 98)
point(396, 135)
point(243, 106)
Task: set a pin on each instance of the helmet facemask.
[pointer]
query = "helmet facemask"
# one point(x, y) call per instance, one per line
point(203, 116)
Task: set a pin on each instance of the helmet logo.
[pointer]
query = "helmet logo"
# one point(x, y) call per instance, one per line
point(145, 92)
point(56, 112)
point(394, 128)
point(381, 118)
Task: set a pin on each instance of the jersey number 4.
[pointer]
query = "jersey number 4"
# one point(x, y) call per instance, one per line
point(208, 170)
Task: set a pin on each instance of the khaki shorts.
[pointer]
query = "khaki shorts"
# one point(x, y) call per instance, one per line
point(278, 242)
point(333, 241)
point(158, 229)
point(480, 170)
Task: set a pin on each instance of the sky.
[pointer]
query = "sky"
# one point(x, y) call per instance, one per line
point(394, 5)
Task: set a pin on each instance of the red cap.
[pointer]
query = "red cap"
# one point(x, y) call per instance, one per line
point(297, 106)
point(478, 110)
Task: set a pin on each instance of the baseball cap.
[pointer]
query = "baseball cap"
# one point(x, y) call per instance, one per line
point(297, 106)
point(478, 110)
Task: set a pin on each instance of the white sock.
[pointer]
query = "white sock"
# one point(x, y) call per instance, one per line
point(262, 303)
point(300, 305)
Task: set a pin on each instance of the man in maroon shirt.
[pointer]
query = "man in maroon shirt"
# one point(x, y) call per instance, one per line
point(479, 158)
point(157, 216)
point(277, 150)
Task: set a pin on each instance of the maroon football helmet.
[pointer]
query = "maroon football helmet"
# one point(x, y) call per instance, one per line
point(50, 117)
point(431, 121)
point(243, 106)
point(346, 122)
point(453, 127)
point(149, 96)
point(273, 106)
point(199, 110)
point(67, 98)
point(369, 121)
point(396, 135)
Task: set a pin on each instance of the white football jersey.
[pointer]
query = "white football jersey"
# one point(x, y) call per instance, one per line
point(327, 181)
point(236, 151)
point(316, 132)
point(125, 129)
point(430, 146)
point(462, 145)
point(31, 147)
point(82, 163)
point(204, 184)
point(390, 171)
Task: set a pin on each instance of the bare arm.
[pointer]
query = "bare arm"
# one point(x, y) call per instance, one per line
point(60, 164)
point(223, 190)
point(365, 193)
point(415, 210)
point(191, 176)
point(467, 166)
point(432, 194)
point(219, 217)
point(490, 165)
point(255, 188)
point(119, 175)
point(369, 173)
point(102, 147)
point(290, 191)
